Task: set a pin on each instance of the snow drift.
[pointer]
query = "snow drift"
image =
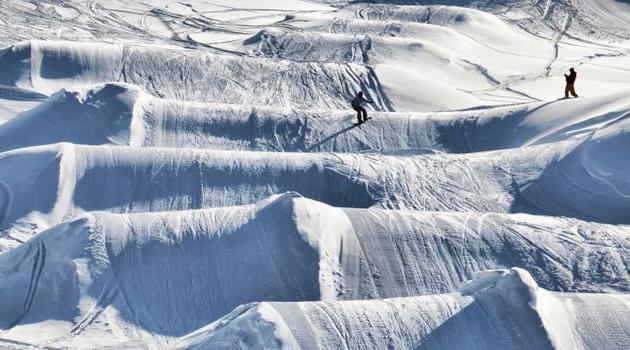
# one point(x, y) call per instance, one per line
point(47, 66)
point(141, 265)
point(72, 179)
point(121, 114)
point(102, 114)
point(135, 269)
point(497, 310)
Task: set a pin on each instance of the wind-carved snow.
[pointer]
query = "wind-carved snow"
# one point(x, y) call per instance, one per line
point(188, 75)
point(70, 179)
point(475, 316)
point(189, 175)
point(291, 249)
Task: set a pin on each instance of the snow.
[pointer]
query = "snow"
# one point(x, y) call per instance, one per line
point(503, 308)
point(291, 249)
point(189, 175)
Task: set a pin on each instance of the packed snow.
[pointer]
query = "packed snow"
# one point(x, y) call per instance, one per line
point(190, 175)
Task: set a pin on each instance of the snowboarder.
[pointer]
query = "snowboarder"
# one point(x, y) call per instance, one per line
point(357, 101)
point(570, 88)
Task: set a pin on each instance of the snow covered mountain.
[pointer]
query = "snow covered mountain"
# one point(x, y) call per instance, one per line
point(190, 175)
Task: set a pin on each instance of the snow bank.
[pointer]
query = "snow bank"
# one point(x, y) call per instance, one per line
point(284, 248)
point(122, 114)
point(103, 271)
point(599, 186)
point(102, 114)
point(502, 309)
point(409, 253)
point(72, 179)
point(249, 326)
point(47, 66)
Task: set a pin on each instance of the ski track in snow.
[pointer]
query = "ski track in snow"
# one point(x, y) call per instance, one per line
point(188, 175)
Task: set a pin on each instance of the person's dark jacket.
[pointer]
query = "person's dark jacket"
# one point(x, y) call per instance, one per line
point(571, 77)
point(358, 100)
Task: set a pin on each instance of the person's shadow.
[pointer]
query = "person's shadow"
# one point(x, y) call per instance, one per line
point(331, 136)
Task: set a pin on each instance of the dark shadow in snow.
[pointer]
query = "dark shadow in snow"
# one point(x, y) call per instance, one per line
point(18, 94)
point(177, 284)
point(491, 323)
point(44, 295)
point(188, 184)
point(477, 134)
point(316, 146)
point(14, 63)
point(17, 192)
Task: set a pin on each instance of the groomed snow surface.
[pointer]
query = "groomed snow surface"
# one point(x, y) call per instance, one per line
point(189, 175)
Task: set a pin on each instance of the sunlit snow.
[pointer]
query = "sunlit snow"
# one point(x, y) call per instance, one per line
point(190, 175)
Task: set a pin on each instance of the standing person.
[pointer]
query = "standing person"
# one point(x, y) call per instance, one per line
point(570, 88)
point(357, 101)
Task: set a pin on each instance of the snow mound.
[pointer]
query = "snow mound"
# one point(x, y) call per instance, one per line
point(47, 66)
point(475, 23)
point(102, 114)
point(598, 186)
point(502, 309)
point(71, 179)
point(121, 114)
point(259, 326)
point(134, 270)
point(141, 265)
point(409, 253)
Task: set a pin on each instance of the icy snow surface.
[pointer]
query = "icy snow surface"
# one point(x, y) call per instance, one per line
point(188, 175)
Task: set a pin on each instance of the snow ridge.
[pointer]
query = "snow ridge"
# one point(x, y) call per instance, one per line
point(189, 175)
point(476, 314)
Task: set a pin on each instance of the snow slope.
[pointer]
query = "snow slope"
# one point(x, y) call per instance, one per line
point(121, 114)
point(188, 175)
point(46, 66)
point(499, 309)
point(120, 266)
point(70, 179)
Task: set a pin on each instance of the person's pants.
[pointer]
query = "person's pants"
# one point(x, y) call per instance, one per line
point(570, 89)
point(361, 113)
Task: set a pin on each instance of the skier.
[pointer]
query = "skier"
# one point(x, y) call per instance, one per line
point(570, 88)
point(357, 101)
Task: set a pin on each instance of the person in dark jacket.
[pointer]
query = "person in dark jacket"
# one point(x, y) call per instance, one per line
point(357, 101)
point(570, 88)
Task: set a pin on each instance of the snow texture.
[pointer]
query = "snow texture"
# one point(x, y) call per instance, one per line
point(189, 175)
